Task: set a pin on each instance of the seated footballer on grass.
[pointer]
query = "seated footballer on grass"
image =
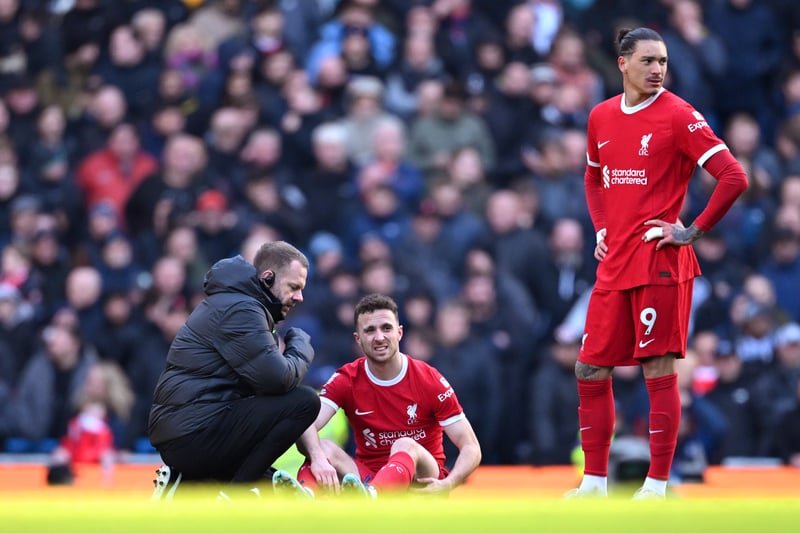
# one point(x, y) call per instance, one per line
point(398, 407)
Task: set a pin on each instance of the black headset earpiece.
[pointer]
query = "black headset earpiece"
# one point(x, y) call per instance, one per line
point(269, 279)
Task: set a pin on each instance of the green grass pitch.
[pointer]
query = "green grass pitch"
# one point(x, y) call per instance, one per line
point(200, 511)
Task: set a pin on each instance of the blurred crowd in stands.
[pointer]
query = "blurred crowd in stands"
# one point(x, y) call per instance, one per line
point(432, 150)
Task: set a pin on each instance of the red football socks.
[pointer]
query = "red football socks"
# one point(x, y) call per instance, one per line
point(395, 474)
point(665, 417)
point(596, 418)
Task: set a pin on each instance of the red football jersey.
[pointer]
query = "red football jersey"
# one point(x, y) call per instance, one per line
point(640, 160)
point(417, 404)
point(88, 438)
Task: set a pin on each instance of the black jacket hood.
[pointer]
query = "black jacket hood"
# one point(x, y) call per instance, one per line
point(234, 274)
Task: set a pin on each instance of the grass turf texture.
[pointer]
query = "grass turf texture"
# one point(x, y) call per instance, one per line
point(198, 510)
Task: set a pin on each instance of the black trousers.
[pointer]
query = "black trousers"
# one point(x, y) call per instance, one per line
point(244, 441)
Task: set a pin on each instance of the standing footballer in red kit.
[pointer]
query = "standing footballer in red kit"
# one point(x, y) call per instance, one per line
point(398, 407)
point(643, 147)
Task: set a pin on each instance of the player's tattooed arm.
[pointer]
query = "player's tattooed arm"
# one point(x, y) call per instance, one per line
point(673, 234)
point(681, 235)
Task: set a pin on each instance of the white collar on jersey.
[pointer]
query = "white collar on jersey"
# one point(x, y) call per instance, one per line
point(388, 382)
point(630, 110)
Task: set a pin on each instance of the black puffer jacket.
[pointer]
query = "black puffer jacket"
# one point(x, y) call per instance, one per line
point(227, 350)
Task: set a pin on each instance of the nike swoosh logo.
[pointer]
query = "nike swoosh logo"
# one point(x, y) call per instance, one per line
point(585, 428)
point(656, 431)
point(600, 145)
point(642, 344)
point(362, 413)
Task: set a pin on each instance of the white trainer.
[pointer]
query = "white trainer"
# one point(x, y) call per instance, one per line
point(352, 484)
point(166, 481)
point(578, 493)
point(285, 483)
point(647, 494)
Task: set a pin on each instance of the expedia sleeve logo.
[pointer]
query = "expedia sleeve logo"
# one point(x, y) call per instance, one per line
point(700, 124)
point(447, 393)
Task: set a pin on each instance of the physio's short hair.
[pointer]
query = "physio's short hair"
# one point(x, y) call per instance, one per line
point(276, 255)
point(374, 302)
point(627, 39)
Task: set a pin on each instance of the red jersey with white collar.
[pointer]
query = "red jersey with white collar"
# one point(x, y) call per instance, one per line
point(640, 160)
point(417, 404)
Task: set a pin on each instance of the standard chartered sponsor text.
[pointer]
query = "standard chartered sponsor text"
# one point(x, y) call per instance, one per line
point(387, 438)
point(628, 176)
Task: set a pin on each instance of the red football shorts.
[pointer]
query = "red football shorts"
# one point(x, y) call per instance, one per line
point(625, 326)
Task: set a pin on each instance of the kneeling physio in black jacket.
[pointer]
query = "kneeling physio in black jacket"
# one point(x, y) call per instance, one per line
point(228, 403)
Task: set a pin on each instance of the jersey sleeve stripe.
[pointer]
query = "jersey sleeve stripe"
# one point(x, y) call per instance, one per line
point(328, 402)
point(590, 162)
point(452, 420)
point(706, 156)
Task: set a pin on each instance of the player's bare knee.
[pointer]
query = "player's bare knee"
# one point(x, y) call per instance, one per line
point(656, 367)
point(589, 372)
point(407, 445)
